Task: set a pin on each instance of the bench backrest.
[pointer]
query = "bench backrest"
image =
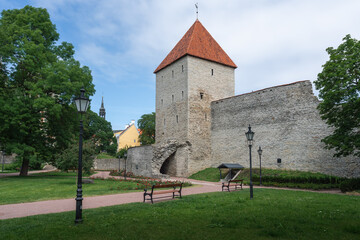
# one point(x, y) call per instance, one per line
point(167, 185)
point(236, 180)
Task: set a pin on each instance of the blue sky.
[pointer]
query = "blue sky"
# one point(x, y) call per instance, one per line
point(272, 42)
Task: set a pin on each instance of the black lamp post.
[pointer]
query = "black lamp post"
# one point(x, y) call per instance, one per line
point(125, 157)
point(250, 136)
point(82, 104)
point(260, 152)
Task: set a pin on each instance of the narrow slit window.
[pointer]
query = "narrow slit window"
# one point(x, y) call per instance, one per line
point(164, 122)
point(177, 119)
point(162, 102)
point(201, 95)
point(182, 68)
point(205, 116)
point(182, 95)
point(212, 72)
point(172, 73)
point(172, 98)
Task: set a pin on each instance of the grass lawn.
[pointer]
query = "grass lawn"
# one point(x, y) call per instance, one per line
point(272, 214)
point(55, 185)
point(104, 156)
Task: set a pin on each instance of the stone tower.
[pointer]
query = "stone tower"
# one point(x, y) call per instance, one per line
point(196, 72)
point(102, 109)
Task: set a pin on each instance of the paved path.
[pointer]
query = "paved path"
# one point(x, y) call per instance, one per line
point(64, 205)
point(17, 173)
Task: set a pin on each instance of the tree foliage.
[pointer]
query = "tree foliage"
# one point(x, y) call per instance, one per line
point(68, 160)
point(147, 129)
point(39, 80)
point(339, 88)
point(100, 131)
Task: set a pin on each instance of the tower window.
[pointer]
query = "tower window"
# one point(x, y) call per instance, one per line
point(164, 122)
point(201, 95)
point(162, 102)
point(182, 95)
point(182, 68)
point(212, 72)
point(172, 73)
point(177, 119)
point(172, 98)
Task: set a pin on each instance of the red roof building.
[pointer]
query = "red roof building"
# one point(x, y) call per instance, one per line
point(197, 42)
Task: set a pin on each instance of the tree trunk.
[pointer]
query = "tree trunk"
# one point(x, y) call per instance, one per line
point(24, 167)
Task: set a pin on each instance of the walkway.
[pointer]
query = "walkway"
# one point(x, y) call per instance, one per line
point(65, 205)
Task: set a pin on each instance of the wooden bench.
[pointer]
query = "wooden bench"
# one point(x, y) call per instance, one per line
point(232, 183)
point(174, 190)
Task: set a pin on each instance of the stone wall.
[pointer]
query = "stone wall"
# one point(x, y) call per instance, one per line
point(139, 160)
point(207, 81)
point(109, 164)
point(172, 102)
point(287, 125)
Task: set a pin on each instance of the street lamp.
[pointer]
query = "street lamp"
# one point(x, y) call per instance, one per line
point(260, 152)
point(125, 157)
point(82, 104)
point(250, 136)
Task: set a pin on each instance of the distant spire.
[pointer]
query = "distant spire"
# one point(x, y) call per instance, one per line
point(102, 109)
point(197, 11)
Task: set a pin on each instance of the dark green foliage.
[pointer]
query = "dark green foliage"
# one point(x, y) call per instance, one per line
point(100, 131)
point(121, 153)
point(350, 185)
point(68, 159)
point(147, 129)
point(39, 81)
point(339, 88)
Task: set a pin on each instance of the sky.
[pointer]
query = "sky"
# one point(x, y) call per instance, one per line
point(273, 42)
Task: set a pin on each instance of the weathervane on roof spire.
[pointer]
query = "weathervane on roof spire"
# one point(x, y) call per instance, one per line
point(197, 11)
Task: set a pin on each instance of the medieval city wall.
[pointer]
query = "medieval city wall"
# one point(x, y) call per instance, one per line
point(287, 125)
point(139, 160)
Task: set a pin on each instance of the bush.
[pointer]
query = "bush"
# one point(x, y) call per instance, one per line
point(68, 159)
point(350, 185)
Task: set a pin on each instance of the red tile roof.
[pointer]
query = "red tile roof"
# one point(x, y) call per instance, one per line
point(197, 42)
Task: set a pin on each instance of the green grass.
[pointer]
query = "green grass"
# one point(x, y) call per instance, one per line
point(104, 156)
point(45, 187)
point(208, 174)
point(272, 214)
point(213, 175)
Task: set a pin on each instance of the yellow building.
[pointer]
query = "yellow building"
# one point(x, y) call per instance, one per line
point(128, 137)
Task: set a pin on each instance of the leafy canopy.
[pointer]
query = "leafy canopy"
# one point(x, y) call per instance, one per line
point(39, 80)
point(147, 129)
point(339, 87)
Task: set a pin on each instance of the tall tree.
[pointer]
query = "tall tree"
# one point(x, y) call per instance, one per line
point(100, 131)
point(339, 88)
point(39, 80)
point(147, 129)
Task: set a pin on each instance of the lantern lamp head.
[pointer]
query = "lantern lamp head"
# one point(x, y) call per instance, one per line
point(250, 135)
point(82, 103)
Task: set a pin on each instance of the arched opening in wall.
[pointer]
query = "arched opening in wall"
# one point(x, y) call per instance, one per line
point(169, 166)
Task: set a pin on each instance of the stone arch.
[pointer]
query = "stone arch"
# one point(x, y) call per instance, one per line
point(170, 158)
point(169, 166)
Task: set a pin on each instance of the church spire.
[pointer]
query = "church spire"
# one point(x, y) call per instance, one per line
point(102, 109)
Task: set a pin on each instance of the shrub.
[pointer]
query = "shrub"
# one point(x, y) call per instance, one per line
point(349, 185)
point(68, 159)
